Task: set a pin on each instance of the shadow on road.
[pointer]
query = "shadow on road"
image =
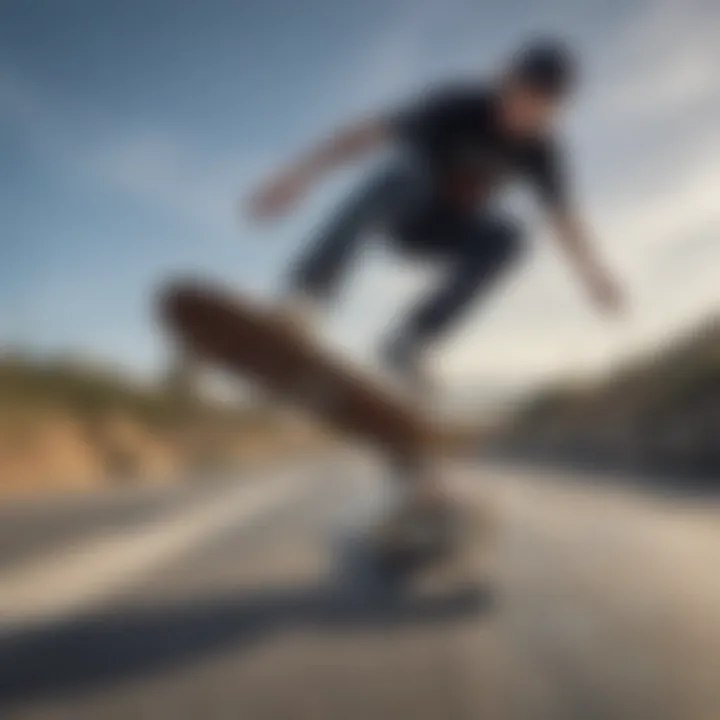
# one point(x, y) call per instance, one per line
point(104, 648)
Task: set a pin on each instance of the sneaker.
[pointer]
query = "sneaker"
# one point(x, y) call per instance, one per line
point(403, 358)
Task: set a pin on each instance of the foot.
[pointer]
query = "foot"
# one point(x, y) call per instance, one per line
point(404, 357)
point(421, 526)
point(422, 488)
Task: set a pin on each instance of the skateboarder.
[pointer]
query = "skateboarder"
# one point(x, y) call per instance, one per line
point(438, 197)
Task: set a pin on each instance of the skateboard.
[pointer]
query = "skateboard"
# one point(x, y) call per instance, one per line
point(242, 336)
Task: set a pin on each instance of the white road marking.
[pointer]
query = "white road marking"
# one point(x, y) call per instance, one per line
point(85, 574)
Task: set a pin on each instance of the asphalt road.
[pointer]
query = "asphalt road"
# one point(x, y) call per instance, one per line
point(250, 599)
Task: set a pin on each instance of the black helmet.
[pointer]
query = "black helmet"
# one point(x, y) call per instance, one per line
point(546, 65)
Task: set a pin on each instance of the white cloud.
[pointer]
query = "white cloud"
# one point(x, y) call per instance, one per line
point(147, 163)
point(662, 64)
point(153, 167)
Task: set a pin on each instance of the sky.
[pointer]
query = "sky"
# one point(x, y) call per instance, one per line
point(128, 131)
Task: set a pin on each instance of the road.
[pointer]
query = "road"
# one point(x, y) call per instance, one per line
point(248, 598)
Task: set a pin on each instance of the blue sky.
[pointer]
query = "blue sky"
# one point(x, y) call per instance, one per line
point(129, 129)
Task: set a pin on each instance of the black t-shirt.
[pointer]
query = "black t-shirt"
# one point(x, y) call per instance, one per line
point(456, 131)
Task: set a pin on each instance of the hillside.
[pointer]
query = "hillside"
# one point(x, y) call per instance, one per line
point(66, 426)
point(661, 412)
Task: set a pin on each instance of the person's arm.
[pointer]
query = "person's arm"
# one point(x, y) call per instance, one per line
point(573, 238)
point(412, 123)
point(548, 172)
point(287, 187)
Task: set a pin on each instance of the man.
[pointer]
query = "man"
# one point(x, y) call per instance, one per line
point(458, 146)
point(438, 200)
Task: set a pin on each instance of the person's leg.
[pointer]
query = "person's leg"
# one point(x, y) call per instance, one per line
point(478, 251)
point(321, 268)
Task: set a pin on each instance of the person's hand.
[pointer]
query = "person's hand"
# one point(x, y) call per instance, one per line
point(278, 196)
point(608, 295)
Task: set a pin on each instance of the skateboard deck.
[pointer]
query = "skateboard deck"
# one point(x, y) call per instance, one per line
point(245, 337)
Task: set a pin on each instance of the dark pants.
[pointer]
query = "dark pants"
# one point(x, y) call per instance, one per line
point(476, 247)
